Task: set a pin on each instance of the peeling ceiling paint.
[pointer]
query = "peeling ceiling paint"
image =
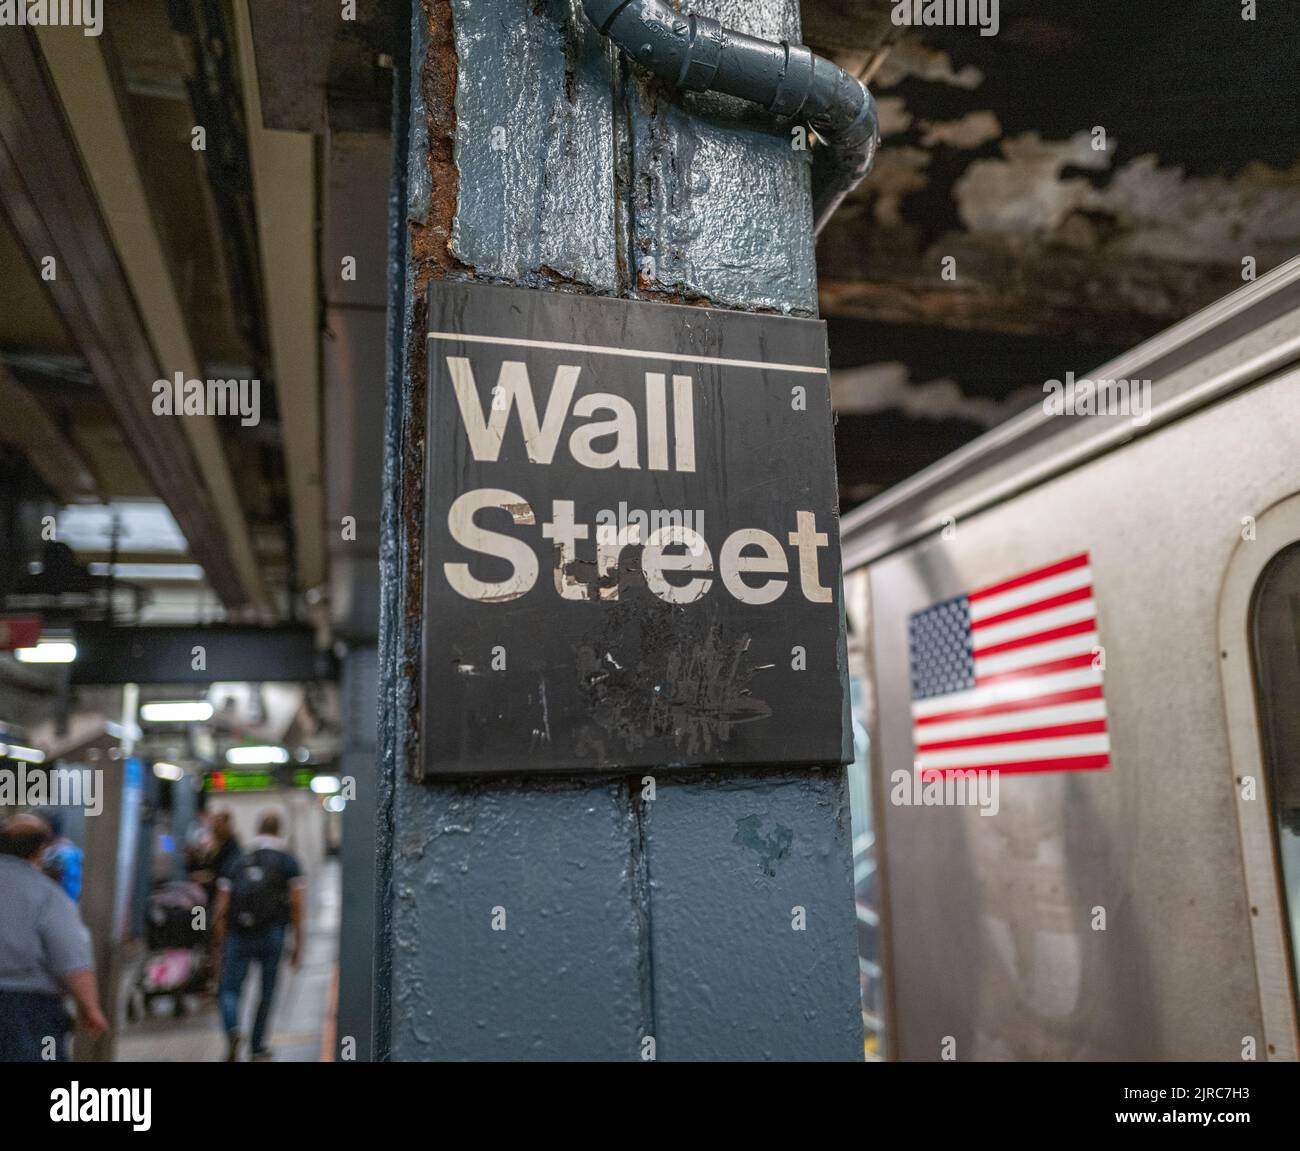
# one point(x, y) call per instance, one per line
point(968, 133)
point(894, 116)
point(992, 229)
point(1024, 191)
point(898, 172)
point(1164, 213)
point(887, 386)
point(911, 57)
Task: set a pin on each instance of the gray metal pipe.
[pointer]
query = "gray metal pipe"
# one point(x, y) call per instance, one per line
point(697, 54)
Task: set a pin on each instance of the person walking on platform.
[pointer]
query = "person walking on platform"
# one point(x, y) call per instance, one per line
point(220, 855)
point(45, 952)
point(258, 898)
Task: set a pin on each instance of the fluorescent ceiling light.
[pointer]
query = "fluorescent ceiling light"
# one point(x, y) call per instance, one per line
point(177, 711)
point(325, 784)
point(26, 754)
point(169, 771)
point(142, 526)
point(48, 651)
point(188, 573)
point(249, 756)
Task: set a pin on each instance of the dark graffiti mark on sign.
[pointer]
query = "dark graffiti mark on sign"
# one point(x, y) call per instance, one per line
point(632, 550)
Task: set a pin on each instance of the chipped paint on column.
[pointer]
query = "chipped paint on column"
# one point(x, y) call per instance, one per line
point(515, 930)
point(534, 140)
point(731, 859)
point(624, 918)
point(695, 160)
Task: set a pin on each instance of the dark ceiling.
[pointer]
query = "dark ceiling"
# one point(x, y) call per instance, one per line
point(1064, 255)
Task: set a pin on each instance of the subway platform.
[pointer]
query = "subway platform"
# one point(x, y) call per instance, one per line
point(301, 1019)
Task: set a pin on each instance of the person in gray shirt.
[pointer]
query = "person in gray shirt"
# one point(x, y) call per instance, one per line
point(45, 952)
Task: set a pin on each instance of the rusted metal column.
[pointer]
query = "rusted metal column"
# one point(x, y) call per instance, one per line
point(538, 157)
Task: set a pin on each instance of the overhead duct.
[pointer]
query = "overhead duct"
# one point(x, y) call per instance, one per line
point(696, 53)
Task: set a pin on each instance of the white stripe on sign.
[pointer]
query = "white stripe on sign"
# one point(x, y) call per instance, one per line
point(1032, 624)
point(1026, 720)
point(629, 353)
point(1030, 593)
point(1006, 692)
point(1034, 654)
point(1017, 752)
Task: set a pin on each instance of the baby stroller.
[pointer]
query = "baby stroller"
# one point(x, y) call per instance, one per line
point(176, 961)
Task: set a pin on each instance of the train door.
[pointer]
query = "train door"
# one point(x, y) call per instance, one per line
point(1259, 642)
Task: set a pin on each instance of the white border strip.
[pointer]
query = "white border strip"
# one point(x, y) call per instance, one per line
point(632, 353)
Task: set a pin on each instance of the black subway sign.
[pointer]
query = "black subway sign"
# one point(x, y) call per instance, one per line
point(631, 537)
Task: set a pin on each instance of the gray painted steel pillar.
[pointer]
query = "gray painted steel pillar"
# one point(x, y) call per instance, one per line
point(537, 157)
point(358, 172)
point(357, 692)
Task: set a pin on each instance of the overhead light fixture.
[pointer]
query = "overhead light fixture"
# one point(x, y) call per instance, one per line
point(26, 754)
point(335, 803)
point(177, 711)
point(325, 784)
point(169, 772)
point(48, 651)
point(256, 756)
point(163, 573)
point(130, 732)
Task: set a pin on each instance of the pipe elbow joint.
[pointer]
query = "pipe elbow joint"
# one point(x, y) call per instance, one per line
point(696, 53)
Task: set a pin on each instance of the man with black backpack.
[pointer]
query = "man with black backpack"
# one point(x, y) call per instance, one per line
point(258, 897)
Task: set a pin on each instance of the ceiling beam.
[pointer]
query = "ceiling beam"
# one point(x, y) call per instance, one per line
point(84, 85)
point(293, 45)
point(284, 199)
point(160, 653)
point(27, 426)
point(54, 213)
point(1011, 286)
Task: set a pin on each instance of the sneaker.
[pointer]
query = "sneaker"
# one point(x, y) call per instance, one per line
point(262, 1055)
point(232, 1047)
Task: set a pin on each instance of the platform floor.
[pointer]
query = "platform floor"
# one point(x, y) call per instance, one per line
point(300, 1020)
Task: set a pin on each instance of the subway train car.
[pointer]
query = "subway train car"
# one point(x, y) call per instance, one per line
point(1103, 609)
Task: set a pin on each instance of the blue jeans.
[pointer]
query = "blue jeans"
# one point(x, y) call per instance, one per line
point(241, 950)
point(28, 1021)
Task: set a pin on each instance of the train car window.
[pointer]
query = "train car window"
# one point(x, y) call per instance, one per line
point(1275, 638)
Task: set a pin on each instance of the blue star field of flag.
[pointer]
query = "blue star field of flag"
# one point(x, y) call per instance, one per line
point(942, 652)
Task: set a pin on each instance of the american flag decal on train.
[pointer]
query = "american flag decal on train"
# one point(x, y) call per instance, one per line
point(1008, 678)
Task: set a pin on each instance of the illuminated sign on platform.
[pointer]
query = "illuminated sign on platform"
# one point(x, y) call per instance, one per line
point(224, 782)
